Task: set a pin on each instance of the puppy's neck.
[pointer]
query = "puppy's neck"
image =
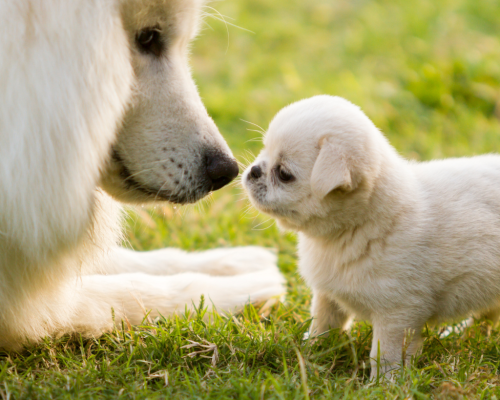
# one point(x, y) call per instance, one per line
point(371, 210)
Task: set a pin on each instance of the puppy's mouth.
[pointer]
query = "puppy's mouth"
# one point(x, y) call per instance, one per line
point(270, 209)
point(156, 194)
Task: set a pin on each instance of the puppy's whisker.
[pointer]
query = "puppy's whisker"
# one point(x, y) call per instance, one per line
point(254, 139)
point(247, 161)
point(250, 152)
point(248, 122)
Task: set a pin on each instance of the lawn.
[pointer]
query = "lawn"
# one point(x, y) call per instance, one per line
point(428, 74)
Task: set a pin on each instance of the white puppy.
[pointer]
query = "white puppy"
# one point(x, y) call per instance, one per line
point(397, 243)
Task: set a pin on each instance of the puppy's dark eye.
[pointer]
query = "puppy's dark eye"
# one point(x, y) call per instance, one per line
point(149, 41)
point(283, 175)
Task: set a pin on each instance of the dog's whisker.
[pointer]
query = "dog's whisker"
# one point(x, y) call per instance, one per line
point(263, 229)
point(137, 173)
point(247, 211)
point(222, 19)
point(250, 152)
point(225, 16)
point(159, 190)
point(207, 24)
point(234, 184)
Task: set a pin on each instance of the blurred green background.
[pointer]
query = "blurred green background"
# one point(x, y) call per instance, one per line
point(427, 72)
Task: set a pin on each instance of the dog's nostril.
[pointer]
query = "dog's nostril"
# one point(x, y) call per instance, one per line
point(256, 172)
point(221, 170)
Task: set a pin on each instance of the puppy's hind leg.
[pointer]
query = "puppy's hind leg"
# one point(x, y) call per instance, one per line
point(492, 317)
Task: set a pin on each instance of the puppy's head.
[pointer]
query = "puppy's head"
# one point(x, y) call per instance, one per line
point(168, 147)
point(321, 158)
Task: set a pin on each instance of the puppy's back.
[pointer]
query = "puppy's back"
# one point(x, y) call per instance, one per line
point(469, 180)
point(461, 203)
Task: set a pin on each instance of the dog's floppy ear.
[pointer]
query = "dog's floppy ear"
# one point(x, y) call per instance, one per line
point(330, 171)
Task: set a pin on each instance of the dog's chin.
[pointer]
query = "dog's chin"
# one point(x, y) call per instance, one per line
point(135, 193)
point(127, 191)
point(123, 186)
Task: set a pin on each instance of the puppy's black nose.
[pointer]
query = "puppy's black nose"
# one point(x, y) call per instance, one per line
point(255, 172)
point(221, 170)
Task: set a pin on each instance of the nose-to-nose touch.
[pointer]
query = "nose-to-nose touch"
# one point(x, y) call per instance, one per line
point(255, 172)
point(221, 170)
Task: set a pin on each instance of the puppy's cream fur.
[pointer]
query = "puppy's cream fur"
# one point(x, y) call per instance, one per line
point(84, 107)
point(394, 242)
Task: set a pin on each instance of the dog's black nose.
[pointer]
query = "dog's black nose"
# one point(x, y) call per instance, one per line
point(221, 170)
point(255, 172)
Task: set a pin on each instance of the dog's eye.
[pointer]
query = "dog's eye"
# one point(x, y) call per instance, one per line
point(149, 41)
point(283, 175)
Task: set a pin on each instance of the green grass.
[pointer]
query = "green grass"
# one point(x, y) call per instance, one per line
point(428, 74)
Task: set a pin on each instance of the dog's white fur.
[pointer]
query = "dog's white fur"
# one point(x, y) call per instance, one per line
point(394, 242)
point(70, 73)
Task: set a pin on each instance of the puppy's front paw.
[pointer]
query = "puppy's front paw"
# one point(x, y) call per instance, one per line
point(312, 335)
point(384, 372)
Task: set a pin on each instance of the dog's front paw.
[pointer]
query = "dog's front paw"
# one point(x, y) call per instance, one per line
point(231, 293)
point(237, 260)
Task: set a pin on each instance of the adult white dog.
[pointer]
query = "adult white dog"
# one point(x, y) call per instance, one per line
point(383, 239)
point(98, 94)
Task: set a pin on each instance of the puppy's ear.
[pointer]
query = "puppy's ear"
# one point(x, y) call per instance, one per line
point(331, 170)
